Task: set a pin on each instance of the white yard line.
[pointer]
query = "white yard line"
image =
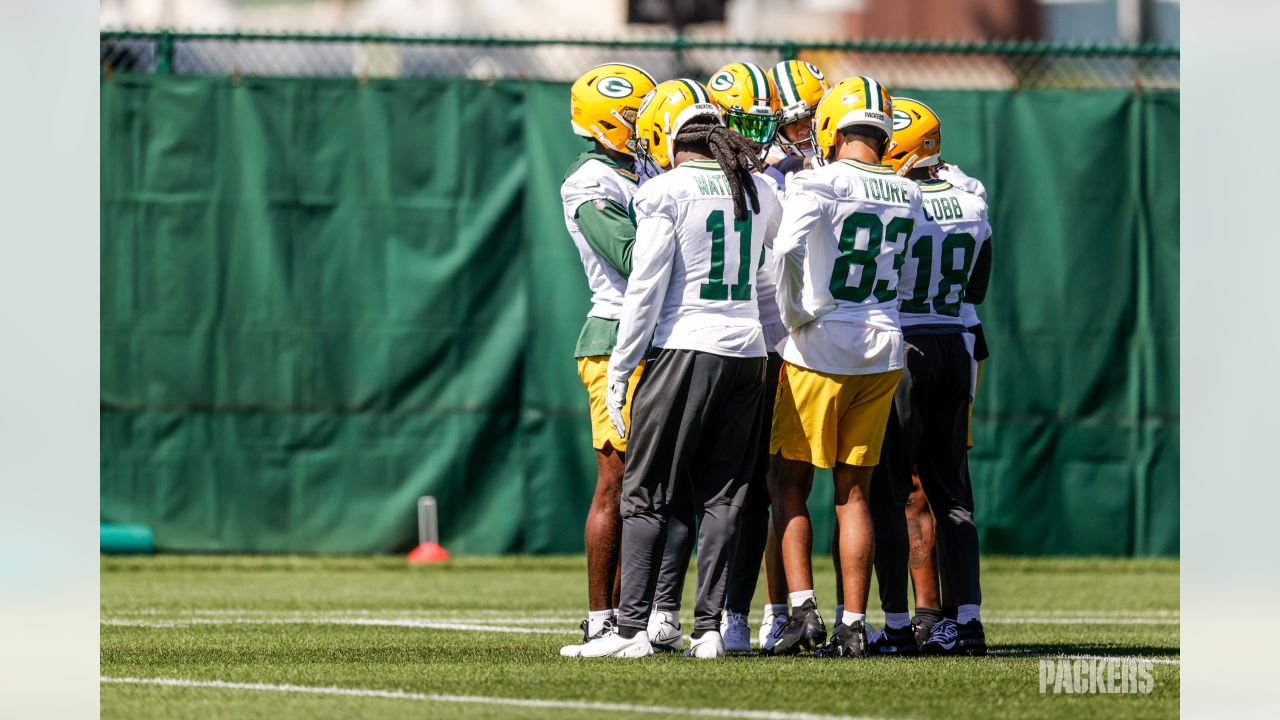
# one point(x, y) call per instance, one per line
point(516, 625)
point(567, 614)
point(1060, 656)
point(583, 705)
point(339, 620)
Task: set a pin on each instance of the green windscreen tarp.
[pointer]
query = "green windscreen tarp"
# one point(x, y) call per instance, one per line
point(324, 298)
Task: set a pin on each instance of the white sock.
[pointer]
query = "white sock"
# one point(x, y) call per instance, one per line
point(897, 621)
point(595, 620)
point(839, 611)
point(798, 597)
point(770, 610)
point(849, 618)
point(965, 613)
point(616, 613)
point(673, 616)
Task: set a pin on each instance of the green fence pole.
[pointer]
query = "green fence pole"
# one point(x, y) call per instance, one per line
point(164, 53)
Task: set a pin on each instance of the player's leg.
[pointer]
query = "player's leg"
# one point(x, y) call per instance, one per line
point(856, 541)
point(775, 589)
point(865, 402)
point(890, 487)
point(789, 485)
point(835, 565)
point(655, 461)
point(602, 531)
point(803, 434)
point(945, 480)
point(924, 569)
point(721, 478)
point(604, 525)
point(753, 536)
point(664, 623)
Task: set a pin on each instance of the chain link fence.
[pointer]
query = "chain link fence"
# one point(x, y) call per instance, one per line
point(998, 65)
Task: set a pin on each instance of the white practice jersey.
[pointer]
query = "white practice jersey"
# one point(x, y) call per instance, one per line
point(941, 255)
point(837, 257)
point(594, 178)
point(696, 272)
point(954, 175)
point(767, 296)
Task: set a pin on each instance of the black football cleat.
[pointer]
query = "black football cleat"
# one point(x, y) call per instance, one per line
point(850, 642)
point(895, 641)
point(804, 630)
point(942, 638)
point(971, 639)
point(921, 625)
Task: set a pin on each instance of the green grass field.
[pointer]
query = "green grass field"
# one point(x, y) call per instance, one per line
point(404, 641)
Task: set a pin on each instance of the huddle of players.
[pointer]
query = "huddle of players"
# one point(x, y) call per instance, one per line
point(741, 336)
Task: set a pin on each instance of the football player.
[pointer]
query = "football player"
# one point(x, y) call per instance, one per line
point(838, 253)
point(798, 86)
point(920, 520)
point(597, 193)
point(701, 230)
point(747, 99)
point(948, 262)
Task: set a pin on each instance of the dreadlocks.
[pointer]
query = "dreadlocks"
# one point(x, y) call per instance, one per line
point(737, 156)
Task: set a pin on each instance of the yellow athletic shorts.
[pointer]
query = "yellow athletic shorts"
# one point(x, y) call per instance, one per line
point(824, 419)
point(592, 370)
point(976, 381)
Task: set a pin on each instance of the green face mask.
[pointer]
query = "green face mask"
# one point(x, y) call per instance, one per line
point(756, 128)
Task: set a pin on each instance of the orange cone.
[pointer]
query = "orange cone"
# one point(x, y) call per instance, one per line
point(427, 553)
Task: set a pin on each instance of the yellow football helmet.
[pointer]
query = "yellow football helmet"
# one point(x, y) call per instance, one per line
point(664, 111)
point(603, 104)
point(917, 136)
point(852, 101)
point(799, 87)
point(749, 102)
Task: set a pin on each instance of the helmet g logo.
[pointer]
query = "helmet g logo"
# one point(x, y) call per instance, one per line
point(900, 120)
point(722, 81)
point(816, 72)
point(615, 87)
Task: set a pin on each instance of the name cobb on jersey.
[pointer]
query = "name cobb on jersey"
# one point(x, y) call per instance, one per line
point(944, 208)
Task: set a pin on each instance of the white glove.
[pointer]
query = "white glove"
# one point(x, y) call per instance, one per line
point(615, 399)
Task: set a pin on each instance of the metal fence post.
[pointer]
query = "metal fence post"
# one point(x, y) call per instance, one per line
point(164, 53)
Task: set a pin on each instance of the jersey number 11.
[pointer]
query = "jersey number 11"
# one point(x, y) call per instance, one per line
point(714, 288)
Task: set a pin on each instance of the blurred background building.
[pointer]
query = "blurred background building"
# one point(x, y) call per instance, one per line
point(1090, 20)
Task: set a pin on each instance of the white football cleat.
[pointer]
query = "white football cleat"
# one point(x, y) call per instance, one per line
point(611, 644)
point(573, 650)
point(707, 647)
point(771, 629)
point(664, 634)
point(736, 632)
